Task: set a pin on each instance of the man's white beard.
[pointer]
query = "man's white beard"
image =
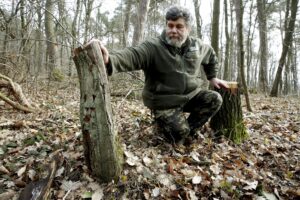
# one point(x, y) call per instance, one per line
point(175, 42)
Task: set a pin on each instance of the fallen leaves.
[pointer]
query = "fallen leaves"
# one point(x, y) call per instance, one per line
point(267, 164)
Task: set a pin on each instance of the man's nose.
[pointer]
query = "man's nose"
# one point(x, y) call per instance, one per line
point(174, 29)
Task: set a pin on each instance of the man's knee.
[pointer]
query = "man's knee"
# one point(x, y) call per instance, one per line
point(216, 100)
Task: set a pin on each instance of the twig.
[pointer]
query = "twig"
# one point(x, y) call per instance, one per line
point(66, 194)
point(135, 76)
point(128, 93)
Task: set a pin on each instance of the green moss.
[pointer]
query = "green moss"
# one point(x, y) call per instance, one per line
point(237, 134)
point(119, 156)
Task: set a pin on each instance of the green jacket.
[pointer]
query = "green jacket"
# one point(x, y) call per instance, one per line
point(171, 74)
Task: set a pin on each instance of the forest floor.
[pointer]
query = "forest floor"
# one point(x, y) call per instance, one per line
point(265, 166)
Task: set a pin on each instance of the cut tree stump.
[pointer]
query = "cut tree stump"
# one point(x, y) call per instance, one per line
point(228, 121)
point(102, 151)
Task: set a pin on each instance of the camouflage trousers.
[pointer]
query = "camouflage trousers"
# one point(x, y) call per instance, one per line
point(175, 124)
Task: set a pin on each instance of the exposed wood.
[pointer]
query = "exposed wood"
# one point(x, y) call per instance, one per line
point(101, 150)
point(41, 189)
point(22, 103)
point(229, 119)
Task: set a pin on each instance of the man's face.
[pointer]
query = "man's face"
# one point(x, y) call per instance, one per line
point(177, 32)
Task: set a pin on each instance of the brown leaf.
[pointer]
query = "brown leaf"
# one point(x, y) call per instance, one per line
point(19, 183)
point(4, 170)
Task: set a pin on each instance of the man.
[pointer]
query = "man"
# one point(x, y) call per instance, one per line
point(171, 64)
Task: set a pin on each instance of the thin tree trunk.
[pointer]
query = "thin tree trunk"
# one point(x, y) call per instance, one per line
point(141, 20)
point(126, 22)
point(205, 83)
point(215, 27)
point(294, 70)
point(226, 74)
point(198, 18)
point(285, 47)
point(51, 37)
point(140, 26)
point(249, 45)
point(241, 52)
point(88, 10)
point(62, 19)
point(74, 33)
point(262, 21)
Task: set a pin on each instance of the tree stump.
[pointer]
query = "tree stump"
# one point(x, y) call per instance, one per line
point(228, 121)
point(102, 152)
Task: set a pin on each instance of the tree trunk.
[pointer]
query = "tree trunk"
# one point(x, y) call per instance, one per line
point(101, 150)
point(294, 70)
point(141, 20)
point(51, 37)
point(249, 42)
point(198, 18)
point(215, 27)
point(229, 119)
point(241, 52)
point(126, 22)
point(74, 34)
point(288, 38)
point(226, 74)
point(88, 10)
point(140, 26)
point(262, 22)
point(205, 83)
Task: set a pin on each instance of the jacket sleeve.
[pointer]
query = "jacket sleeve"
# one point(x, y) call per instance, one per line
point(130, 58)
point(210, 63)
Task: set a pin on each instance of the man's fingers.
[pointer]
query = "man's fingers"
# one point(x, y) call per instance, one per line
point(105, 53)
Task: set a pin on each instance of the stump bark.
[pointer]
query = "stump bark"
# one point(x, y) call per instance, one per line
point(228, 121)
point(102, 152)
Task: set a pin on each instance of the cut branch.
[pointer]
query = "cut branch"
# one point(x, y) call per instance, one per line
point(22, 103)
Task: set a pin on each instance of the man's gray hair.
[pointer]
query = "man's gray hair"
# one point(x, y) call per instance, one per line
point(176, 12)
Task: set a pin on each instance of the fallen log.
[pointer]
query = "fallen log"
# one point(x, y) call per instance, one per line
point(41, 189)
point(21, 102)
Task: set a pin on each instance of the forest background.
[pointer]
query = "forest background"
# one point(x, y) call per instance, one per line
point(257, 43)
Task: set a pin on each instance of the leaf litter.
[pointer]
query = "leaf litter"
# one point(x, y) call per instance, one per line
point(266, 166)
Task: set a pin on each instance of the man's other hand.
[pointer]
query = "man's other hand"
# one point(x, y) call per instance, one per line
point(218, 83)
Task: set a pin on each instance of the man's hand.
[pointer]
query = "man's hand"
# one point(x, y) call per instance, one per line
point(217, 83)
point(104, 51)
